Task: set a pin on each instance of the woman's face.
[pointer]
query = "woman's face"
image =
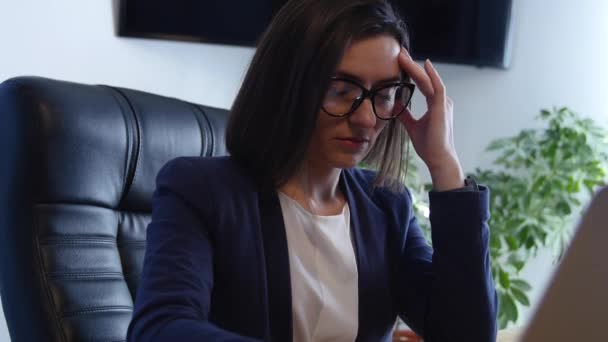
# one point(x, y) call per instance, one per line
point(342, 142)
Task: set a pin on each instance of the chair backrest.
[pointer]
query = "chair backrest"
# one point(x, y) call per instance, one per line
point(77, 173)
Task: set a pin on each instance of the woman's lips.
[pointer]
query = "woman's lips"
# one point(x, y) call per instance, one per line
point(353, 144)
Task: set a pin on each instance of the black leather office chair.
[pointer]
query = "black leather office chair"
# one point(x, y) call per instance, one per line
point(77, 172)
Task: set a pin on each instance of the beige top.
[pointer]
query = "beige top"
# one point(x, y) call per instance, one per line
point(323, 270)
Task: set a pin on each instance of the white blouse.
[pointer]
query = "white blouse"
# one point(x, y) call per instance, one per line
point(324, 278)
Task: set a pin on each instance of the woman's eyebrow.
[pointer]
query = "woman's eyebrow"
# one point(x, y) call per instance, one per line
point(358, 79)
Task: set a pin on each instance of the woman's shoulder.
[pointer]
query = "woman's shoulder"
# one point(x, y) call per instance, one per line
point(185, 166)
point(213, 187)
point(364, 181)
point(196, 173)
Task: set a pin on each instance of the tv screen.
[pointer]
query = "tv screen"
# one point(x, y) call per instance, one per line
point(459, 31)
point(475, 32)
point(235, 22)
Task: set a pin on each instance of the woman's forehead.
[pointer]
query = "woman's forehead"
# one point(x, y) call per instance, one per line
point(371, 59)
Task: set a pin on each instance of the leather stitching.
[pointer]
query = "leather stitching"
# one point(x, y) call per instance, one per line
point(96, 309)
point(123, 244)
point(78, 241)
point(133, 123)
point(86, 276)
point(207, 138)
point(45, 285)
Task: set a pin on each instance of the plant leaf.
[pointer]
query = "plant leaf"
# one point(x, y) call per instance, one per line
point(520, 296)
point(509, 307)
point(521, 284)
point(505, 282)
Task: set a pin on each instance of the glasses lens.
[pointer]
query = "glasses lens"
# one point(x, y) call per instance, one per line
point(340, 97)
point(391, 101)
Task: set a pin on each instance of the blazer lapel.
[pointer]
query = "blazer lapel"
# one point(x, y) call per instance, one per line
point(366, 252)
point(277, 267)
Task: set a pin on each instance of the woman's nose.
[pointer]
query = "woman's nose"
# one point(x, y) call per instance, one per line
point(364, 115)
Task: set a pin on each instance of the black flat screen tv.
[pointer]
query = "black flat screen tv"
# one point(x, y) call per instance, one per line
point(474, 32)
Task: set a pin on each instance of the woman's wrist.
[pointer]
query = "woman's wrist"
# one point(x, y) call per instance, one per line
point(448, 176)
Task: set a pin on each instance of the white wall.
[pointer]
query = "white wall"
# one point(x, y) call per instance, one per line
point(74, 40)
point(560, 56)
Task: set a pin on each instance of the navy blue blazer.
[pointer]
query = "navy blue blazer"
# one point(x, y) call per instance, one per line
point(217, 268)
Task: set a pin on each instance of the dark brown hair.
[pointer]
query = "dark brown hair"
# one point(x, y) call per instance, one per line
point(274, 114)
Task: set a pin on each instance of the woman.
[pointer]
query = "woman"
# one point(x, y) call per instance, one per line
point(286, 240)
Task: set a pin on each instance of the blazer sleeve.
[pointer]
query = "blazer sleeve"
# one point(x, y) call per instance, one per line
point(447, 293)
point(173, 299)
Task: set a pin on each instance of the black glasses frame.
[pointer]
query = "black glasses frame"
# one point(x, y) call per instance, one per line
point(371, 93)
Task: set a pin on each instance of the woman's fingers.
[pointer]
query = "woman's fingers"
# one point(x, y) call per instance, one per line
point(436, 81)
point(408, 120)
point(418, 74)
point(430, 83)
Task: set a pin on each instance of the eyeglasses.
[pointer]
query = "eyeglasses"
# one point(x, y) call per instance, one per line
point(344, 96)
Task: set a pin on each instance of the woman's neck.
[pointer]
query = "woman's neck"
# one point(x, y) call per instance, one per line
point(316, 189)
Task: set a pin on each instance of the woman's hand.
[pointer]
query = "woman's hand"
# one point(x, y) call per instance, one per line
point(432, 134)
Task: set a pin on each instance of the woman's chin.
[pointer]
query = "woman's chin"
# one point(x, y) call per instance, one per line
point(346, 162)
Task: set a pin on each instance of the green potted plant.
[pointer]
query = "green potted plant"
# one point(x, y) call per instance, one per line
point(539, 182)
